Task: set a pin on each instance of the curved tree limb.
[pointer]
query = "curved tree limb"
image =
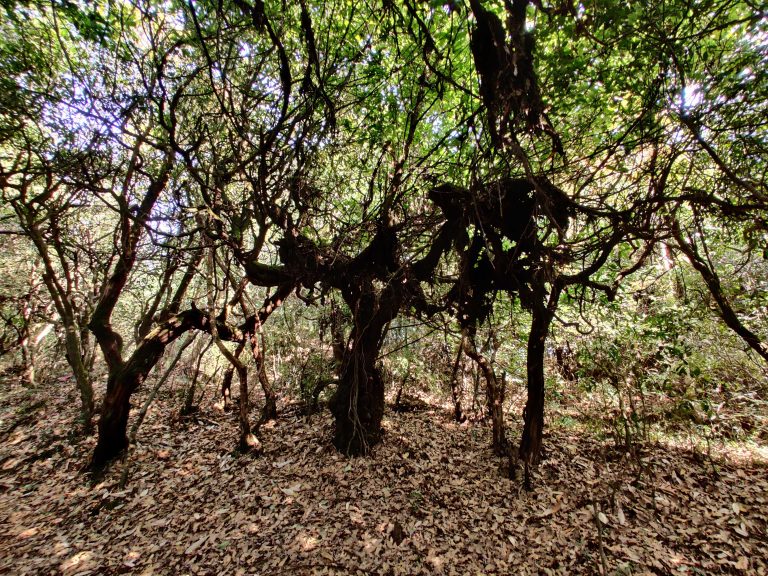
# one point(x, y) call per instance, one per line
point(712, 280)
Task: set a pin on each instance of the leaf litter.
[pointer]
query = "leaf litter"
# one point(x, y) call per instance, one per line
point(432, 499)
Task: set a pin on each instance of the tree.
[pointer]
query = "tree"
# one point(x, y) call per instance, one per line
point(411, 160)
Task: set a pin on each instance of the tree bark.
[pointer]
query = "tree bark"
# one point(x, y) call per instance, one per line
point(456, 386)
point(226, 383)
point(252, 329)
point(269, 411)
point(155, 389)
point(125, 378)
point(226, 389)
point(358, 404)
point(495, 393)
point(113, 423)
point(62, 300)
point(248, 440)
point(712, 280)
point(198, 352)
point(75, 354)
point(533, 415)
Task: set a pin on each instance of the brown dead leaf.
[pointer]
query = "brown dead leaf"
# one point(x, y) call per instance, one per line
point(301, 508)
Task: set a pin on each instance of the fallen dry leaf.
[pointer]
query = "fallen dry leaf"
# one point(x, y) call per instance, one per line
point(301, 508)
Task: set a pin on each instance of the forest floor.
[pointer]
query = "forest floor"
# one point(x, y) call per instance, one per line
point(432, 499)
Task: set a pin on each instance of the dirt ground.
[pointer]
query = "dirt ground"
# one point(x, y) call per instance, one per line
point(432, 499)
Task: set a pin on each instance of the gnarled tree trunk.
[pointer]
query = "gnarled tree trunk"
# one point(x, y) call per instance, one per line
point(269, 411)
point(126, 377)
point(457, 388)
point(495, 392)
point(712, 280)
point(113, 424)
point(358, 404)
point(226, 383)
point(533, 415)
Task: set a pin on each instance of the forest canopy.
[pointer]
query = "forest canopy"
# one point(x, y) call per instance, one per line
point(384, 174)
